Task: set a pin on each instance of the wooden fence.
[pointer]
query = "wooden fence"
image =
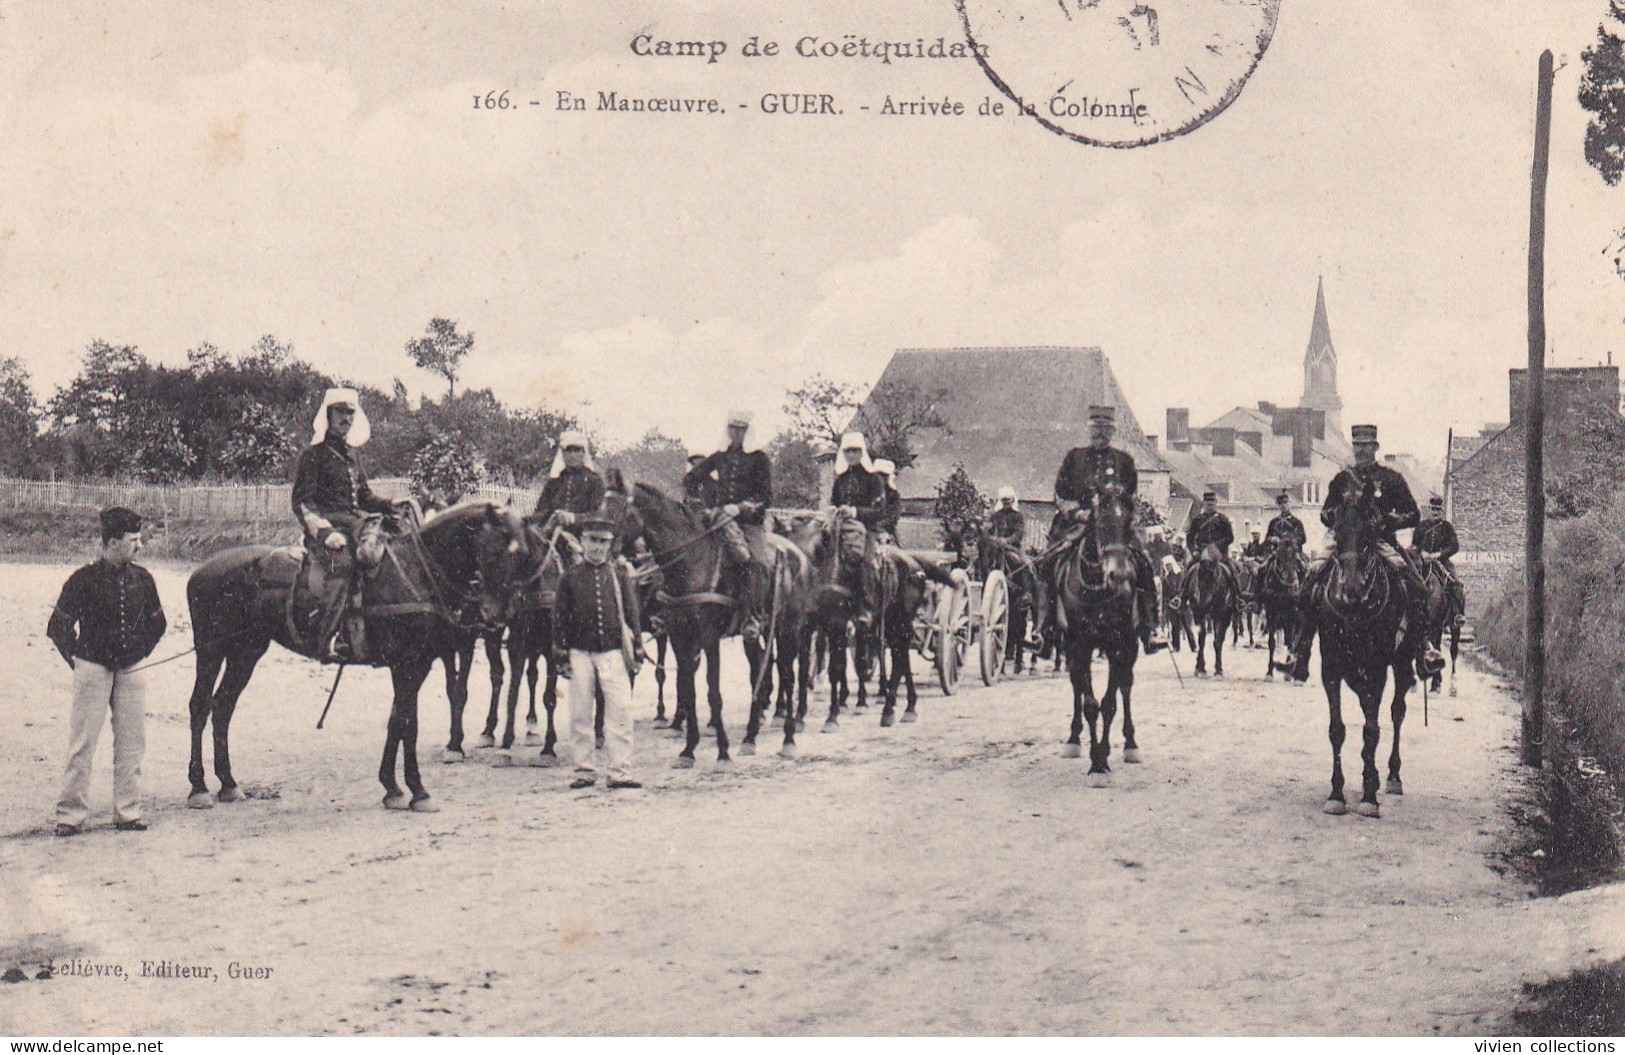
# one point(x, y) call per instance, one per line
point(223, 502)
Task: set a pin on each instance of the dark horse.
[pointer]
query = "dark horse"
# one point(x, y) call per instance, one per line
point(1278, 584)
point(238, 601)
point(1359, 608)
point(1095, 583)
point(1445, 615)
point(826, 611)
point(903, 589)
point(993, 553)
point(697, 614)
point(1211, 599)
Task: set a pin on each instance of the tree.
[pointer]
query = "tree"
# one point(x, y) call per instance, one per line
point(1602, 92)
point(820, 409)
point(656, 460)
point(103, 390)
point(19, 418)
point(256, 447)
point(442, 351)
point(894, 413)
point(448, 466)
point(795, 471)
point(960, 510)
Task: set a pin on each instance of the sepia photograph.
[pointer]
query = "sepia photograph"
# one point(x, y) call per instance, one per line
point(940, 518)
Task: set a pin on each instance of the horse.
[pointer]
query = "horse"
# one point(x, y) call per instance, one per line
point(1444, 614)
point(994, 553)
point(1359, 607)
point(1211, 599)
point(1175, 616)
point(467, 558)
point(826, 610)
point(697, 615)
point(1094, 580)
point(903, 590)
point(1277, 587)
point(1246, 601)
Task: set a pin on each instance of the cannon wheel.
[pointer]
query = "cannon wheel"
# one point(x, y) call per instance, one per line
point(954, 631)
point(995, 621)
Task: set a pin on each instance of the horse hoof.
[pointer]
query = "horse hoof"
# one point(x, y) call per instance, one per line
point(547, 760)
point(661, 723)
point(859, 707)
point(532, 740)
point(502, 760)
point(1100, 780)
point(723, 763)
point(231, 794)
point(1131, 755)
point(910, 716)
point(424, 805)
point(485, 740)
point(831, 726)
point(682, 762)
point(1201, 674)
point(1269, 677)
point(887, 720)
point(1071, 750)
point(449, 757)
point(531, 722)
point(747, 748)
point(1369, 809)
point(1218, 674)
point(1394, 787)
point(397, 800)
point(788, 751)
point(200, 800)
point(1335, 807)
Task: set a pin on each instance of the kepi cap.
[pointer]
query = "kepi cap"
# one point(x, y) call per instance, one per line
point(1102, 412)
point(739, 419)
point(119, 521)
point(1210, 496)
point(1436, 502)
point(1363, 434)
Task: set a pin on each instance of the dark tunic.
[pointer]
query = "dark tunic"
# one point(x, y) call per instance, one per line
point(574, 490)
point(864, 491)
point(697, 490)
point(740, 476)
point(1436, 536)
point(1009, 525)
point(1389, 490)
point(1087, 470)
point(893, 511)
point(108, 615)
point(584, 611)
point(1287, 526)
point(1209, 528)
point(329, 486)
point(1254, 549)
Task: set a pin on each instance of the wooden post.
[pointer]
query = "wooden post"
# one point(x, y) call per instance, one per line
point(1534, 561)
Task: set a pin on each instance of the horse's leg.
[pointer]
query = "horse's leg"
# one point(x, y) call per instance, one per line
point(409, 740)
point(1123, 675)
point(239, 668)
point(754, 660)
point(1370, 692)
point(1455, 649)
point(1078, 672)
point(407, 678)
point(688, 661)
point(660, 682)
point(804, 656)
point(787, 685)
point(889, 673)
point(861, 662)
point(516, 652)
point(1331, 679)
point(540, 645)
point(1199, 646)
point(713, 694)
point(208, 674)
point(1091, 714)
point(458, 664)
point(395, 732)
point(1222, 632)
point(901, 658)
point(1395, 786)
point(835, 657)
point(1269, 644)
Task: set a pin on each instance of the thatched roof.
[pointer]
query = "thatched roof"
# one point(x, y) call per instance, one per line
point(1012, 414)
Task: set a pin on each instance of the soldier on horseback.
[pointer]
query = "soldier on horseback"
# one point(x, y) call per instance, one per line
point(1085, 473)
point(859, 498)
point(696, 487)
point(1285, 525)
point(1435, 539)
point(736, 486)
point(886, 469)
point(574, 487)
point(1254, 549)
point(341, 519)
point(1209, 527)
point(1007, 523)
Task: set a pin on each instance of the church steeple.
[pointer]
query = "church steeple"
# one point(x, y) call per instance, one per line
point(1320, 366)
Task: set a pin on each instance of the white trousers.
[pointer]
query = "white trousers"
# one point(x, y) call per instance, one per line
point(608, 670)
point(96, 689)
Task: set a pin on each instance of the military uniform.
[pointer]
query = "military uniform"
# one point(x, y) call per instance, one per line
point(1009, 525)
point(1210, 528)
point(1289, 527)
point(330, 493)
point(892, 510)
point(1439, 536)
point(576, 489)
point(735, 476)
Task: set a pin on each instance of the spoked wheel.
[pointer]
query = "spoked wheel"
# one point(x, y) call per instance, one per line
point(953, 633)
point(995, 622)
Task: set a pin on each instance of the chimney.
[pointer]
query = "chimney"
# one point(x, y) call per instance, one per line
point(1302, 440)
point(1179, 428)
point(1268, 408)
point(1224, 441)
point(1255, 440)
point(1151, 441)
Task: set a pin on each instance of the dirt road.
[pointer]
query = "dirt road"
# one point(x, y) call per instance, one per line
point(952, 876)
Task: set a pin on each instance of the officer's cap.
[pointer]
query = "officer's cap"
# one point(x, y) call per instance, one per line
point(1102, 412)
point(1209, 496)
point(739, 419)
point(118, 522)
point(596, 524)
point(1364, 433)
point(1282, 499)
point(1436, 502)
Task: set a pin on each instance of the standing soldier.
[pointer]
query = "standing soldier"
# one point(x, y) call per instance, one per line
point(332, 503)
point(1084, 474)
point(859, 498)
point(1435, 539)
point(106, 621)
point(737, 485)
point(886, 469)
point(1209, 527)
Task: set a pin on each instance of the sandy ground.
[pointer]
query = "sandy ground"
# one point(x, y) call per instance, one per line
point(948, 877)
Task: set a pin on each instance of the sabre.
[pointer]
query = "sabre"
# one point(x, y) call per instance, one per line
point(330, 695)
point(1177, 674)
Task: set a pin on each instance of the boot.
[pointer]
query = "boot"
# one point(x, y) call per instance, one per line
point(335, 594)
point(753, 603)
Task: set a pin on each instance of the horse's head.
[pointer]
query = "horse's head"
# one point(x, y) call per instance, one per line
point(503, 558)
point(1282, 563)
point(1356, 529)
point(1114, 527)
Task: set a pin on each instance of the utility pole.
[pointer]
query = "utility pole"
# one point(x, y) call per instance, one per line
point(1534, 561)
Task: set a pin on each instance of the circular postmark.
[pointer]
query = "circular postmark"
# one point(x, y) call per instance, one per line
point(1119, 73)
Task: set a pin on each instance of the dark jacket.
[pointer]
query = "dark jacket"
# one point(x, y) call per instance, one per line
point(864, 491)
point(1389, 490)
point(584, 611)
point(893, 511)
point(329, 484)
point(108, 615)
point(1087, 470)
point(1008, 524)
point(1436, 536)
point(740, 476)
point(1209, 529)
point(1285, 525)
point(575, 490)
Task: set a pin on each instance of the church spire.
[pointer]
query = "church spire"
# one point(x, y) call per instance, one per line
point(1320, 363)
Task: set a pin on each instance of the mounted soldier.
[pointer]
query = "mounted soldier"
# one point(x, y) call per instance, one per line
point(886, 469)
point(736, 486)
point(859, 500)
point(1435, 539)
point(1285, 525)
point(573, 490)
point(696, 487)
point(341, 519)
point(1007, 523)
point(1210, 529)
point(1084, 474)
point(1254, 549)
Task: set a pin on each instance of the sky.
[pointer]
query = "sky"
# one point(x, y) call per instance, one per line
point(179, 173)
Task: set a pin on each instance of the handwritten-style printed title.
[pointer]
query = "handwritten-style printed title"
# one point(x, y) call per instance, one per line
point(846, 46)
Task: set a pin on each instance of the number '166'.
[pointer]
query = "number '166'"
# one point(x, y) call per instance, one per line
point(491, 101)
